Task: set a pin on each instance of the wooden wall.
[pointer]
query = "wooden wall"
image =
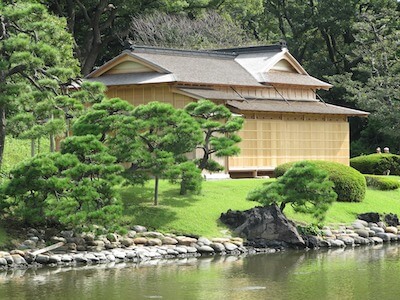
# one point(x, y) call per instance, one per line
point(270, 140)
point(137, 95)
point(289, 93)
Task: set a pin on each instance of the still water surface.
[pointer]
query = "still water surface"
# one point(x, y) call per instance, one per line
point(364, 273)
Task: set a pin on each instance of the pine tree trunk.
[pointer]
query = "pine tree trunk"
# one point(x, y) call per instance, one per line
point(52, 138)
point(282, 207)
point(33, 147)
point(156, 191)
point(52, 143)
point(2, 132)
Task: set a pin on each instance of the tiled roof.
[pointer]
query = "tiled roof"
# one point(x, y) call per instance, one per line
point(133, 78)
point(206, 68)
point(210, 94)
point(309, 107)
point(293, 79)
point(248, 66)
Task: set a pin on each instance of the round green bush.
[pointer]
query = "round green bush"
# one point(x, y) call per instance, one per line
point(350, 185)
point(382, 183)
point(377, 164)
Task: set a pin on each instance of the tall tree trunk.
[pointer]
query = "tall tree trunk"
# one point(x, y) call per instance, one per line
point(33, 147)
point(156, 190)
point(52, 143)
point(52, 139)
point(2, 132)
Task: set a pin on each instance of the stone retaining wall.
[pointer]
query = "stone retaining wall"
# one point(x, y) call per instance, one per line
point(141, 245)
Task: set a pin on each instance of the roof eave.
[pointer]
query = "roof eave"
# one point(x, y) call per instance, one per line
point(362, 115)
point(126, 53)
point(326, 86)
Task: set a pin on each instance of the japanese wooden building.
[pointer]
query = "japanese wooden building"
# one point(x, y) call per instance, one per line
point(284, 120)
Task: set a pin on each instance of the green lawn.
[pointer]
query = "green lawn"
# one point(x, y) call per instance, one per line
point(198, 214)
point(193, 214)
point(17, 150)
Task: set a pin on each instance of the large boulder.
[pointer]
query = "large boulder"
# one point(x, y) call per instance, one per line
point(392, 220)
point(370, 217)
point(266, 225)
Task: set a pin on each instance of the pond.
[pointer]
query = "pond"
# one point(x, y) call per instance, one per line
point(360, 273)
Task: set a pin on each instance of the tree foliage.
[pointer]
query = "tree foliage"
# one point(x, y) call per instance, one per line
point(374, 83)
point(165, 134)
point(220, 129)
point(210, 30)
point(151, 140)
point(36, 61)
point(75, 187)
point(304, 186)
point(100, 27)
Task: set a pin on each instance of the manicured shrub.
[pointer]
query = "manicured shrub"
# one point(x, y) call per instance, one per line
point(350, 185)
point(382, 183)
point(304, 186)
point(378, 164)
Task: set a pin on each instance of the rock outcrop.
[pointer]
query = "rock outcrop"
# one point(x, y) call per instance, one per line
point(263, 226)
point(392, 220)
point(370, 217)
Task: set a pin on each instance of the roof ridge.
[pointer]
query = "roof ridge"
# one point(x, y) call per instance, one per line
point(172, 51)
point(252, 49)
point(224, 52)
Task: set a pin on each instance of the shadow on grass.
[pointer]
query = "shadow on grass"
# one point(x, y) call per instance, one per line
point(172, 198)
point(139, 208)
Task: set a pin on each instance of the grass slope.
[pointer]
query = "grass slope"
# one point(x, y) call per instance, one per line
point(16, 151)
point(191, 214)
point(198, 214)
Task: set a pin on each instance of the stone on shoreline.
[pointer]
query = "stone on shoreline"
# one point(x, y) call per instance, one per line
point(377, 229)
point(153, 234)
point(42, 259)
point(204, 241)
point(376, 240)
point(337, 243)
point(186, 241)
point(139, 228)
point(154, 242)
point(205, 249)
point(391, 229)
point(3, 262)
point(18, 260)
point(362, 233)
point(218, 247)
point(140, 241)
point(169, 241)
point(229, 246)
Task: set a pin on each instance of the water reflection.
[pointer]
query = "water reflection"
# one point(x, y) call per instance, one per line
point(364, 273)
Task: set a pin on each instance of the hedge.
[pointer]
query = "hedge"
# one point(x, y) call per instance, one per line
point(382, 183)
point(350, 185)
point(377, 164)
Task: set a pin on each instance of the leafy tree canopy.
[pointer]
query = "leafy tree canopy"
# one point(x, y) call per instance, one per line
point(75, 187)
point(373, 85)
point(36, 61)
point(149, 139)
point(220, 129)
point(304, 186)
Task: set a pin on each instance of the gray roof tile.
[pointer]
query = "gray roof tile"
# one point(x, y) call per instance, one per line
point(280, 106)
point(204, 69)
point(210, 94)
